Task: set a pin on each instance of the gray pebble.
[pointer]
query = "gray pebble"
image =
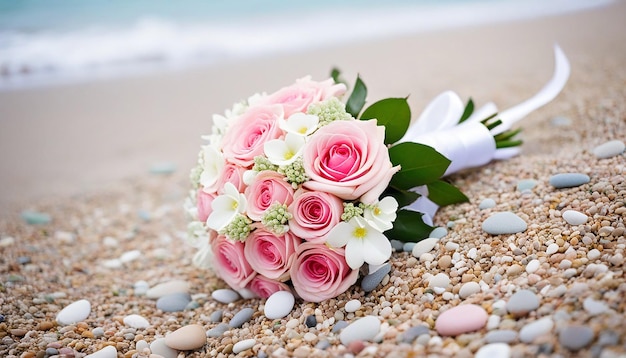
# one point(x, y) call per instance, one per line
point(192, 305)
point(173, 302)
point(241, 317)
point(487, 204)
point(609, 149)
point(52, 351)
point(397, 245)
point(522, 302)
point(261, 354)
point(23, 260)
point(568, 180)
point(217, 331)
point(310, 321)
point(576, 337)
point(98, 332)
point(504, 223)
point(163, 168)
point(526, 184)
point(412, 333)
point(371, 281)
point(560, 121)
point(608, 338)
point(323, 344)
point(35, 217)
point(501, 336)
point(438, 232)
point(339, 325)
point(408, 246)
point(217, 316)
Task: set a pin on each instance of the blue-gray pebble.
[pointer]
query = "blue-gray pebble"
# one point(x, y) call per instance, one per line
point(371, 281)
point(576, 337)
point(526, 184)
point(568, 180)
point(322, 344)
point(487, 203)
point(217, 331)
point(216, 316)
point(504, 223)
point(241, 317)
point(397, 245)
point(36, 218)
point(501, 336)
point(173, 302)
point(438, 233)
point(522, 302)
point(339, 326)
point(408, 246)
point(412, 333)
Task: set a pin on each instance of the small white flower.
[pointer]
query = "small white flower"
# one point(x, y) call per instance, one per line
point(213, 164)
point(363, 242)
point(248, 176)
point(381, 215)
point(285, 152)
point(220, 124)
point(226, 207)
point(300, 123)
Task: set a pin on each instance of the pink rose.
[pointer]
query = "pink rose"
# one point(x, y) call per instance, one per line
point(244, 140)
point(230, 262)
point(350, 160)
point(231, 174)
point(320, 273)
point(297, 97)
point(271, 255)
point(265, 287)
point(314, 214)
point(203, 203)
point(267, 189)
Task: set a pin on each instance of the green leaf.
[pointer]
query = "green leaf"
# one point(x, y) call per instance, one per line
point(443, 193)
point(469, 109)
point(403, 197)
point(420, 164)
point(335, 73)
point(357, 98)
point(409, 227)
point(394, 114)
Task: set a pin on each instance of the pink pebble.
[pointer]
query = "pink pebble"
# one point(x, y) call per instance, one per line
point(461, 319)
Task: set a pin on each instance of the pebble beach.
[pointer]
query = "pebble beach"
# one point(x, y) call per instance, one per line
point(532, 265)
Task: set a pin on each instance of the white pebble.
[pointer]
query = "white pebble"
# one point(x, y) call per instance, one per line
point(447, 296)
point(452, 246)
point(504, 222)
point(472, 253)
point(468, 289)
point(110, 241)
point(279, 304)
point(352, 305)
point(363, 329)
point(136, 321)
point(535, 329)
point(532, 266)
point(74, 312)
point(243, 345)
point(494, 350)
point(106, 352)
point(424, 246)
point(493, 322)
point(427, 257)
point(166, 288)
point(439, 280)
point(609, 149)
point(552, 248)
point(594, 307)
point(574, 217)
point(593, 254)
point(129, 256)
point(225, 295)
point(487, 204)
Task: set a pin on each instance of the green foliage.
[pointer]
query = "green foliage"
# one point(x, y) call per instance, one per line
point(394, 114)
point(420, 165)
point(409, 227)
point(469, 109)
point(356, 101)
point(443, 193)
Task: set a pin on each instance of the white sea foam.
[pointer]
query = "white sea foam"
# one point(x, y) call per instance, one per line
point(150, 43)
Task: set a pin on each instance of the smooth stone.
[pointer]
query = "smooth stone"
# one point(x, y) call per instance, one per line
point(163, 168)
point(487, 203)
point(371, 281)
point(339, 326)
point(186, 338)
point(413, 332)
point(468, 289)
point(439, 280)
point(552, 248)
point(560, 121)
point(532, 266)
point(166, 288)
point(568, 180)
point(174, 302)
point(129, 256)
point(574, 217)
point(74, 312)
point(494, 350)
point(35, 217)
point(501, 336)
point(310, 321)
point(609, 149)
point(535, 329)
point(141, 345)
point(438, 232)
point(159, 347)
point(594, 307)
point(279, 304)
point(504, 223)
point(352, 305)
point(141, 287)
point(397, 245)
point(217, 316)
point(241, 317)
point(243, 345)
point(323, 344)
point(408, 246)
point(192, 305)
point(225, 295)
point(526, 184)
point(106, 352)
point(424, 246)
point(217, 331)
point(576, 337)
point(136, 321)
point(363, 329)
point(461, 319)
point(608, 338)
point(522, 302)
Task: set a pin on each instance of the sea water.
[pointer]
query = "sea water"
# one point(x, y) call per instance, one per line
point(47, 42)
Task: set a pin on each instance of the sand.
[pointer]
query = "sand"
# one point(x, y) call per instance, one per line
point(82, 153)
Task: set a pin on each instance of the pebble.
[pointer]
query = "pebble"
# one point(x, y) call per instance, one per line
point(536, 329)
point(494, 350)
point(609, 149)
point(532, 266)
point(501, 336)
point(225, 295)
point(217, 331)
point(526, 184)
point(413, 332)
point(158, 346)
point(35, 217)
point(424, 246)
point(241, 317)
point(408, 246)
point(136, 321)
point(560, 121)
point(487, 203)
point(493, 322)
point(74, 312)
point(439, 280)
point(552, 248)
point(339, 326)
point(279, 304)
point(352, 305)
point(438, 232)
point(504, 223)
point(163, 168)
point(186, 338)
point(593, 254)
point(216, 316)
point(468, 289)
point(568, 180)
point(574, 217)
point(173, 302)
point(106, 352)
point(594, 307)
point(323, 344)
point(576, 337)
point(397, 245)
point(371, 281)
point(166, 288)
point(522, 302)
point(363, 329)
point(243, 345)
point(98, 332)
point(129, 256)
point(461, 319)
point(140, 287)
point(141, 345)
point(310, 321)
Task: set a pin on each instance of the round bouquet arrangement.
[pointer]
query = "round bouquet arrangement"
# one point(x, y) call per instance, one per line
point(299, 191)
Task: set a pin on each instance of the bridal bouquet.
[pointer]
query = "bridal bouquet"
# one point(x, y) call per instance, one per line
point(297, 190)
